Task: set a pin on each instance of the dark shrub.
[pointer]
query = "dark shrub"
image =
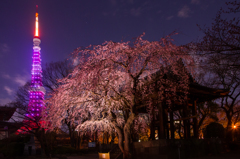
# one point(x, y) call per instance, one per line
point(13, 149)
point(214, 130)
point(233, 146)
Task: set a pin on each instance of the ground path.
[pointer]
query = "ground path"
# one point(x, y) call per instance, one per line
point(228, 155)
point(85, 156)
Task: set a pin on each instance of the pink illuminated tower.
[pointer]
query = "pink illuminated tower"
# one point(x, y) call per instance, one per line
point(37, 91)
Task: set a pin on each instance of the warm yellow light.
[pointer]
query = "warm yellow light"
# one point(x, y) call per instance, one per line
point(234, 126)
point(36, 25)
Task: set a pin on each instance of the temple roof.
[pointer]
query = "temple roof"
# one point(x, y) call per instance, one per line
point(6, 113)
point(203, 93)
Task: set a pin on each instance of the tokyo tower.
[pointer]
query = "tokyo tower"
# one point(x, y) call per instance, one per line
point(37, 91)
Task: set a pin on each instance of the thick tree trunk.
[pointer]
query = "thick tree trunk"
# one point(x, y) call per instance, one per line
point(71, 135)
point(229, 129)
point(72, 139)
point(40, 136)
point(127, 131)
point(172, 127)
point(126, 153)
point(120, 138)
point(195, 122)
point(161, 130)
point(127, 134)
point(152, 126)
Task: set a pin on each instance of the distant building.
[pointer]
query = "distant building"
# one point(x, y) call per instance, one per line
point(7, 128)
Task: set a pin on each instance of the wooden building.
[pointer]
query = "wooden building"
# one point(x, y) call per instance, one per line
point(165, 122)
point(6, 128)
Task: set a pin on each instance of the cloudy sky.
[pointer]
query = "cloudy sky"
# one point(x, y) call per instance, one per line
point(68, 24)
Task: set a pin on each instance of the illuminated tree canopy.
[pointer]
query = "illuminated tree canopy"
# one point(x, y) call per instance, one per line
point(109, 80)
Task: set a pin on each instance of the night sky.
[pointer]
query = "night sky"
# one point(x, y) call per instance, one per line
point(68, 24)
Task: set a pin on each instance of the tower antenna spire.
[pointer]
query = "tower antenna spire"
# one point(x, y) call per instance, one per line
point(36, 23)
